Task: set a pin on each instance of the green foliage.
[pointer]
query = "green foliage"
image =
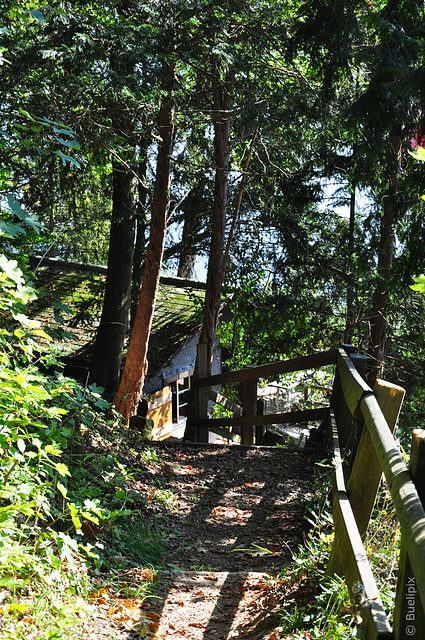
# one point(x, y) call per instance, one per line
point(65, 511)
point(36, 515)
point(275, 320)
point(319, 606)
point(419, 154)
point(419, 284)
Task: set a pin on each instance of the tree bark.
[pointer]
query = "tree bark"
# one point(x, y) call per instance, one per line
point(107, 354)
point(141, 227)
point(381, 298)
point(223, 101)
point(114, 323)
point(350, 321)
point(189, 243)
point(222, 91)
point(131, 385)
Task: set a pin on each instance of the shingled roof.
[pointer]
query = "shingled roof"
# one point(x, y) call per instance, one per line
point(70, 305)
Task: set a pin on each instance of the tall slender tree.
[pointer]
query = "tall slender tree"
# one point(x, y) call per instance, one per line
point(131, 385)
point(105, 369)
point(223, 78)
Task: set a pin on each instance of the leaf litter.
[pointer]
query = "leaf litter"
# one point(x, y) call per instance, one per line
point(233, 525)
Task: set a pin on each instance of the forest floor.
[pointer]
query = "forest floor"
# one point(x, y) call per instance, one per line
point(234, 518)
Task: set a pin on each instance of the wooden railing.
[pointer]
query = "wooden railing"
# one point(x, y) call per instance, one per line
point(250, 423)
point(358, 471)
point(360, 424)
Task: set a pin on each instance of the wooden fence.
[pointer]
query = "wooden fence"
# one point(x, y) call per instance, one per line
point(360, 425)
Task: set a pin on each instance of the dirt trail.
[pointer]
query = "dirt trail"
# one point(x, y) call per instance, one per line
point(238, 518)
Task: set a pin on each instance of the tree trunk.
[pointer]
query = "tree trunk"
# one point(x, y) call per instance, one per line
point(379, 315)
point(189, 244)
point(350, 321)
point(186, 268)
point(107, 354)
point(131, 385)
point(223, 101)
point(114, 323)
point(141, 227)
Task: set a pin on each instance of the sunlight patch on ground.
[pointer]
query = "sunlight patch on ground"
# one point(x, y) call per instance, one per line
point(202, 604)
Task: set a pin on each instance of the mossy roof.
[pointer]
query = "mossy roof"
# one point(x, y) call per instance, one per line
point(70, 305)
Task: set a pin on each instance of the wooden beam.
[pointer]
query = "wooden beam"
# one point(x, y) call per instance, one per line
point(366, 472)
point(406, 500)
point(348, 557)
point(80, 267)
point(314, 361)
point(292, 417)
point(259, 428)
point(347, 375)
point(202, 393)
point(409, 615)
point(353, 385)
point(224, 402)
point(249, 409)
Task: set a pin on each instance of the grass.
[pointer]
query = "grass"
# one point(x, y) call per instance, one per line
point(59, 583)
point(71, 521)
point(316, 606)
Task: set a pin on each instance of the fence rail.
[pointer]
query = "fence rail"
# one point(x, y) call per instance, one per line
point(376, 452)
point(360, 424)
point(303, 363)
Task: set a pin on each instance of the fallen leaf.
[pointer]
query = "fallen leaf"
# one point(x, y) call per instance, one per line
point(153, 616)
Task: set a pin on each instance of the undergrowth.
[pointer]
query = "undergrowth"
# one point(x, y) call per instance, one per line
point(69, 518)
point(73, 525)
point(317, 606)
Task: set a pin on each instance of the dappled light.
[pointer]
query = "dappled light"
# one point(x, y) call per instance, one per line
point(237, 457)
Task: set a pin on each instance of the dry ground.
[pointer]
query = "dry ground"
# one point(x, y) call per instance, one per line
point(235, 516)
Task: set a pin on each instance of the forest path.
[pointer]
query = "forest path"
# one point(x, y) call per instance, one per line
point(236, 518)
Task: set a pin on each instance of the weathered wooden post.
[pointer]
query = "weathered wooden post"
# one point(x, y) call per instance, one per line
point(409, 616)
point(366, 472)
point(249, 407)
point(259, 429)
point(348, 557)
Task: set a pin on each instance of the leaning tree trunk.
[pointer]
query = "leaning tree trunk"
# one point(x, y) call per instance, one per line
point(223, 101)
point(379, 316)
point(131, 385)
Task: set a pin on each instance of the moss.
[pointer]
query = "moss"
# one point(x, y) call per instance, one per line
point(70, 306)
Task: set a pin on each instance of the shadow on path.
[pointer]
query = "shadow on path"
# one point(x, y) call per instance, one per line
point(239, 519)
